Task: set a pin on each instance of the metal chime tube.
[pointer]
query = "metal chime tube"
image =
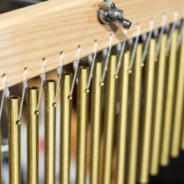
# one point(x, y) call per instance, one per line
point(50, 131)
point(96, 119)
point(158, 108)
point(122, 119)
point(32, 135)
point(66, 110)
point(135, 117)
point(109, 119)
point(147, 115)
point(168, 114)
point(82, 121)
point(14, 140)
point(178, 109)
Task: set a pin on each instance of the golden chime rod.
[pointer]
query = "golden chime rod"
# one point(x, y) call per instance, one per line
point(96, 119)
point(147, 115)
point(158, 107)
point(168, 114)
point(178, 109)
point(122, 119)
point(14, 140)
point(32, 136)
point(110, 102)
point(50, 131)
point(82, 121)
point(66, 108)
point(135, 118)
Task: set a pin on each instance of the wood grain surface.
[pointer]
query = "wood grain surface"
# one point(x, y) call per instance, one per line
point(43, 30)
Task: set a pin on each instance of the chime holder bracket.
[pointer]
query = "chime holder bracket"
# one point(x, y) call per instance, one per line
point(108, 13)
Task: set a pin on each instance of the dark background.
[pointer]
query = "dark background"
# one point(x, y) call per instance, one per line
point(172, 174)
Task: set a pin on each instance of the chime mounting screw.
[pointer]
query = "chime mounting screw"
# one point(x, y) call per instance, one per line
point(102, 83)
point(87, 90)
point(142, 64)
point(18, 122)
point(70, 97)
point(37, 112)
point(108, 13)
point(54, 104)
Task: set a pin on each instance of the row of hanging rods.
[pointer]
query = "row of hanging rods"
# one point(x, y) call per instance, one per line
point(149, 149)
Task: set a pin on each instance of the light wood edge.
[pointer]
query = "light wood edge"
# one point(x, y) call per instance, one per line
point(44, 30)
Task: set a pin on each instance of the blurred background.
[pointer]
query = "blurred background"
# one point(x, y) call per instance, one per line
point(173, 174)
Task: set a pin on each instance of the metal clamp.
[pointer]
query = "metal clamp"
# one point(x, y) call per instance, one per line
point(108, 13)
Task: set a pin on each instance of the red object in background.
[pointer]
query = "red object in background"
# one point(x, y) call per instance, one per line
point(41, 145)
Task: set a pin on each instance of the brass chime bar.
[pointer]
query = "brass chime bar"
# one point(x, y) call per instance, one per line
point(147, 115)
point(178, 109)
point(158, 107)
point(168, 114)
point(122, 119)
point(32, 136)
point(96, 119)
point(50, 131)
point(14, 140)
point(66, 110)
point(110, 102)
point(135, 91)
point(82, 121)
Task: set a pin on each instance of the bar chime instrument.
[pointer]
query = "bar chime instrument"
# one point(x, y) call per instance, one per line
point(132, 99)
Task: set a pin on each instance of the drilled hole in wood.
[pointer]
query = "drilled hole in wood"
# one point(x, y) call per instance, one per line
point(44, 60)
point(61, 53)
point(4, 76)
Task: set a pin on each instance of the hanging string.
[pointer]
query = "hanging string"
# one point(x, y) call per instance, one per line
point(147, 43)
point(75, 74)
point(180, 34)
point(160, 37)
point(121, 54)
point(90, 59)
point(104, 53)
point(92, 67)
point(74, 68)
point(171, 32)
point(118, 48)
point(134, 49)
point(23, 95)
point(107, 61)
point(3, 96)
point(59, 80)
point(42, 82)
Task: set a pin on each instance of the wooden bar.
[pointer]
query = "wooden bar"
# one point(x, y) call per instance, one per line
point(44, 30)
